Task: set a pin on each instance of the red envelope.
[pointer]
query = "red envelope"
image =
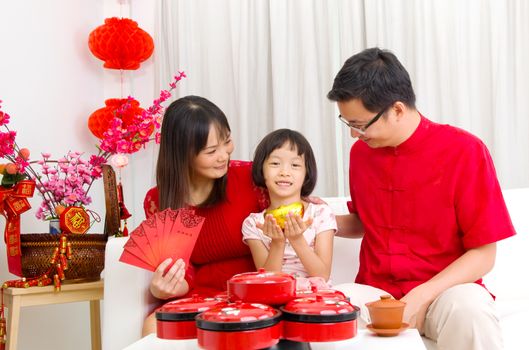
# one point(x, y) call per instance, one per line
point(133, 256)
point(183, 235)
point(156, 237)
point(140, 237)
point(166, 234)
point(171, 217)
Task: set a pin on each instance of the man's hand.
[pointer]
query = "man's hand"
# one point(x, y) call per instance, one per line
point(472, 265)
point(417, 302)
point(169, 284)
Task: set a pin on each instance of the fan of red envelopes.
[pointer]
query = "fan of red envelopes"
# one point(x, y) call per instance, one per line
point(166, 234)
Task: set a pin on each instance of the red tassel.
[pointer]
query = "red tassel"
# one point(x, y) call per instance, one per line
point(125, 232)
point(123, 211)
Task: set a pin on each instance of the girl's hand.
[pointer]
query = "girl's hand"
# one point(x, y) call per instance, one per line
point(169, 284)
point(271, 229)
point(295, 226)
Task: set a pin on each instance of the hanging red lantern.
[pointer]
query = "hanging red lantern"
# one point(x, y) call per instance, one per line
point(99, 121)
point(120, 43)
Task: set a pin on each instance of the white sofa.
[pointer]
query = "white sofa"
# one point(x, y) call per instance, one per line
point(127, 300)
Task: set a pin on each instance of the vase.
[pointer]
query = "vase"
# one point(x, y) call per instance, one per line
point(55, 226)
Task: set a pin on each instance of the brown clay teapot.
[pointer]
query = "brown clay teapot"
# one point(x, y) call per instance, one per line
point(386, 313)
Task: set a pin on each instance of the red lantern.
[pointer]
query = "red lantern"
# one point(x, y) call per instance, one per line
point(99, 121)
point(121, 43)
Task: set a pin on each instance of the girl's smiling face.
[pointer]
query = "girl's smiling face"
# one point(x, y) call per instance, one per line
point(284, 173)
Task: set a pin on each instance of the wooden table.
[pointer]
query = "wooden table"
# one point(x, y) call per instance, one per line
point(16, 298)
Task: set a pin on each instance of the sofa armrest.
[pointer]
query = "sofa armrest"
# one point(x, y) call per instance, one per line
point(127, 300)
point(506, 279)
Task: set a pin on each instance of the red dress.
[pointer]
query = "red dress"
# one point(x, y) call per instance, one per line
point(219, 252)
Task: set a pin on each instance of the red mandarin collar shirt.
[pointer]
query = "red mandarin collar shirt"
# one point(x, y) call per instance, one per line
point(423, 204)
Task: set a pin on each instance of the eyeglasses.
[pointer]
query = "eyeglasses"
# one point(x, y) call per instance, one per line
point(362, 129)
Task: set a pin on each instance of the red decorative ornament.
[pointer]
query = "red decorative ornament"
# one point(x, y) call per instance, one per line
point(120, 43)
point(73, 220)
point(99, 121)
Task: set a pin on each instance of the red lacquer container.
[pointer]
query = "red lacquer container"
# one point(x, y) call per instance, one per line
point(222, 296)
point(239, 326)
point(272, 288)
point(176, 319)
point(325, 293)
point(319, 319)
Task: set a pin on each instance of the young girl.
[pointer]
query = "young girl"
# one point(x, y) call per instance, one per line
point(284, 163)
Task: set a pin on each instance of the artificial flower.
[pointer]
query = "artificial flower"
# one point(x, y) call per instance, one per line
point(130, 138)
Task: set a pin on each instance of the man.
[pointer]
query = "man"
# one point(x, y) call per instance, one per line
point(427, 201)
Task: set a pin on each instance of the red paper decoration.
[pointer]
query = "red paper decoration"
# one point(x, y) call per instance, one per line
point(120, 43)
point(99, 121)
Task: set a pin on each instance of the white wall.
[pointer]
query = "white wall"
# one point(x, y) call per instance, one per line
point(50, 83)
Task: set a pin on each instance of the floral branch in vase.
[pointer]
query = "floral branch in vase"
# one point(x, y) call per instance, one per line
point(66, 181)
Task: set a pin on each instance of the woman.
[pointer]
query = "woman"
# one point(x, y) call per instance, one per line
point(194, 170)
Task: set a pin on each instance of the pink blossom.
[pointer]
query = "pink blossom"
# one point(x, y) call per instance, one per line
point(7, 144)
point(130, 139)
point(67, 180)
point(4, 118)
point(21, 164)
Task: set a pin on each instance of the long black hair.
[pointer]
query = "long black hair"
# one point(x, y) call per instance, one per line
point(184, 133)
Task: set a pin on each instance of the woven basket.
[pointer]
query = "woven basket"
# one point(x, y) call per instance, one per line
point(88, 255)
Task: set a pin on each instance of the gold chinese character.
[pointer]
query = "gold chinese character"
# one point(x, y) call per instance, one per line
point(26, 190)
point(13, 251)
point(18, 205)
point(77, 220)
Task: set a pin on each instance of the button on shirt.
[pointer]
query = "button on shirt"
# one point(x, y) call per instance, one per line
point(423, 204)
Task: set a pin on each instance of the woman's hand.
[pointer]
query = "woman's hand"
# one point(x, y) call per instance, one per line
point(170, 284)
point(295, 226)
point(271, 229)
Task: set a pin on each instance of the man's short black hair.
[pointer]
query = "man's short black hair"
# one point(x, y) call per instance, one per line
point(376, 77)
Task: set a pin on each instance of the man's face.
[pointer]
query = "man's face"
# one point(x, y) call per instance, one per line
point(376, 132)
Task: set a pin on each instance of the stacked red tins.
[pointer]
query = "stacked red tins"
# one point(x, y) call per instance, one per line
point(325, 293)
point(176, 319)
point(319, 319)
point(272, 288)
point(239, 326)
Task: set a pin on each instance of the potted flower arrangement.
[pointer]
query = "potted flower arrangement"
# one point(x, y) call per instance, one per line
point(64, 184)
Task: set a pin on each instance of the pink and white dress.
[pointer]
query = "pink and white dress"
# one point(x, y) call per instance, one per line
point(323, 220)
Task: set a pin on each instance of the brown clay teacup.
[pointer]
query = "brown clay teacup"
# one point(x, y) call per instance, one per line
point(386, 313)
